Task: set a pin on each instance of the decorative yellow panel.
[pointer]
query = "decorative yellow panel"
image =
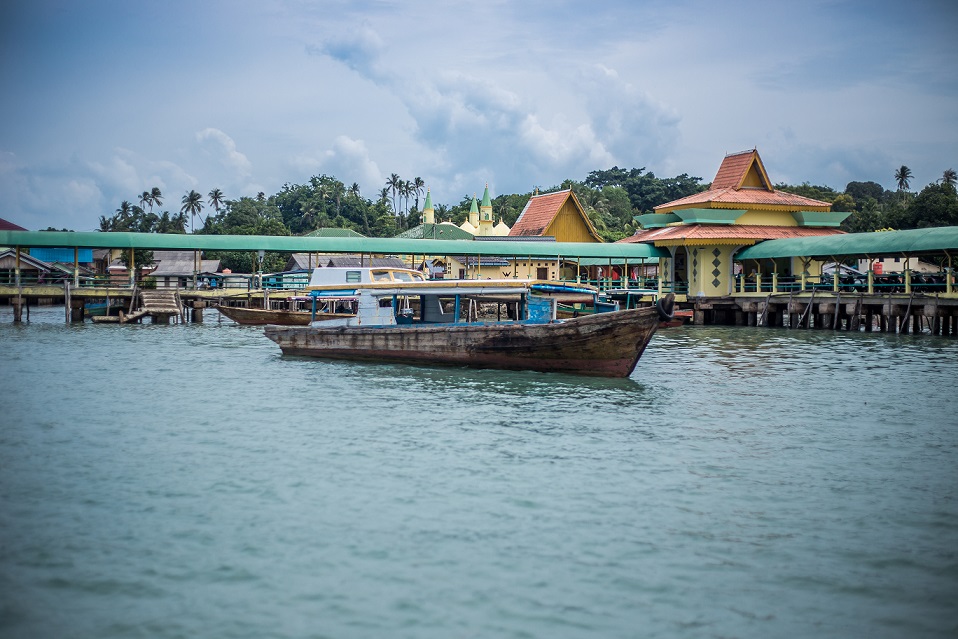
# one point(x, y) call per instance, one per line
point(767, 218)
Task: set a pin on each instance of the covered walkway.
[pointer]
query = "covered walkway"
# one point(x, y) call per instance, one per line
point(938, 245)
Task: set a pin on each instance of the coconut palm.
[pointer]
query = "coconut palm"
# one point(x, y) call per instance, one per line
point(156, 197)
point(418, 184)
point(394, 183)
point(192, 204)
point(384, 195)
point(146, 200)
point(903, 176)
point(125, 210)
point(216, 200)
point(354, 190)
point(949, 177)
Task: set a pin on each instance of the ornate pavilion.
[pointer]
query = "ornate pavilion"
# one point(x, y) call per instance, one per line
point(703, 231)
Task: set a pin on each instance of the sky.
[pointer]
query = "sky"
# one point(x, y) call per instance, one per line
point(101, 100)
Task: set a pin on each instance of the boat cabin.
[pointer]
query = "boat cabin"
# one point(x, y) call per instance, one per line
point(333, 275)
point(460, 303)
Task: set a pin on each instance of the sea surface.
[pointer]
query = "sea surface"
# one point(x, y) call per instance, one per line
point(189, 481)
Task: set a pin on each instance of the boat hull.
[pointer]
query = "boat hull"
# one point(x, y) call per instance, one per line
point(602, 345)
point(261, 317)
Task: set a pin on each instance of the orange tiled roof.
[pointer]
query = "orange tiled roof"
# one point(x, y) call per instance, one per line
point(733, 169)
point(539, 212)
point(745, 195)
point(749, 233)
point(727, 190)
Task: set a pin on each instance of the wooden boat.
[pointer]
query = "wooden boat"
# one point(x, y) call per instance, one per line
point(424, 324)
point(300, 311)
point(262, 316)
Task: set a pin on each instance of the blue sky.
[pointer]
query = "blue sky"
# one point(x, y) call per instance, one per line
point(104, 99)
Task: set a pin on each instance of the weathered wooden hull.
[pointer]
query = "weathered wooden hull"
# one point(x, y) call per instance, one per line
point(604, 345)
point(261, 317)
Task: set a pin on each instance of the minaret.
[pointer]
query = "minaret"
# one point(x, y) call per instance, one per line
point(474, 212)
point(428, 213)
point(485, 213)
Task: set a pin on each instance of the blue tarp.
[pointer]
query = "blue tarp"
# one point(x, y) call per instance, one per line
point(85, 256)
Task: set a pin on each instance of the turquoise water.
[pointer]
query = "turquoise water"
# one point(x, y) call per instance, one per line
point(189, 481)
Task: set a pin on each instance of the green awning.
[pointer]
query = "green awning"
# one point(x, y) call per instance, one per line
point(287, 244)
point(910, 242)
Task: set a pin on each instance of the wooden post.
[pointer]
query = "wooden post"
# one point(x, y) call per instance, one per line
point(76, 266)
point(17, 268)
point(67, 302)
point(76, 310)
point(871, 278)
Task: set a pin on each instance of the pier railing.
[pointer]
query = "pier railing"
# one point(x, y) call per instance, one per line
point(907, 282)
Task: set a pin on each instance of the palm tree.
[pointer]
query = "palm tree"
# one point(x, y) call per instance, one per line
point(125, 211)
point(418, 185)
point(216, 200)
point(384, 194)
point(949, 177)
point(902, 176)
point(394, 183)
point(146, 199)
point(156, 197)
point(354, 190)
point(337, 195)
point(192, 204)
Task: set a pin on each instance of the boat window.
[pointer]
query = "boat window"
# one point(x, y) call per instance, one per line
point(380, 276)
point(354, 276)
point(402, 276)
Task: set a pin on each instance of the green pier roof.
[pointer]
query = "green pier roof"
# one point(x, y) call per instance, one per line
point(911, 242)
point(302, 244)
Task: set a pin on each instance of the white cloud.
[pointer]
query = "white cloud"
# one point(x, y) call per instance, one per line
point(347, 157)
point(222, 148)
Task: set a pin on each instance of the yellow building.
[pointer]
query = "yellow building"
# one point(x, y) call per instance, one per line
point(557, 215)
point(550, 217)
point(704, 231)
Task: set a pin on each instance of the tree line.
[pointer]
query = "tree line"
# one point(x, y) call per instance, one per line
point(612, 198)
point(873, 207)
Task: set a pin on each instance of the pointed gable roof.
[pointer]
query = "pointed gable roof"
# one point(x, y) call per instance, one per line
point(541, 210)
point(6, 225)
point(741, 182)
point(743, 169)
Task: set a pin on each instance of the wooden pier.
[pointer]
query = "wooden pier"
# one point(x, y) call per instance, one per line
point(887, 313)
point(128, 304)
